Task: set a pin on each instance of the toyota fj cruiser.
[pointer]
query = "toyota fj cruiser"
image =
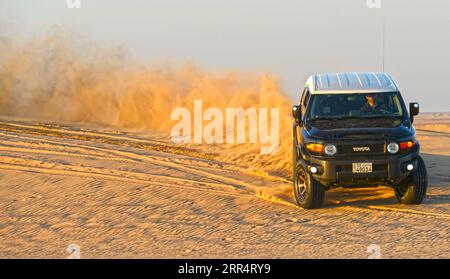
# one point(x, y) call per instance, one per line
point(353, 130)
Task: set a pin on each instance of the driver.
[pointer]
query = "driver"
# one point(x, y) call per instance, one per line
point(372, 105)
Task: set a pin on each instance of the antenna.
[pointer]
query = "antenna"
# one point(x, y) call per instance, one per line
point(383, 42)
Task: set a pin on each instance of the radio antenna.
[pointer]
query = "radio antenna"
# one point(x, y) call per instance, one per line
point(383, 42)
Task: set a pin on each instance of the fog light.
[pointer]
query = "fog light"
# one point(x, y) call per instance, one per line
point(313, 169)
point(410, 167)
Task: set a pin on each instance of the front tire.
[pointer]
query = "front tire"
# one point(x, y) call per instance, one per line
point(414, 189)
point(309, 193)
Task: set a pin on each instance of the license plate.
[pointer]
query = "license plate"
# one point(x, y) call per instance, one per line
point(362, 167)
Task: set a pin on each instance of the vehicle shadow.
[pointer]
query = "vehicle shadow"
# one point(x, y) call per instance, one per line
point(438, 168)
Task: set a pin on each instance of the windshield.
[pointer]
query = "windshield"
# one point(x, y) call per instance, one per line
point(358, 105)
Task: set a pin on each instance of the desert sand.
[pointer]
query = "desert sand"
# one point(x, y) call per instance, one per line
point(122, 194)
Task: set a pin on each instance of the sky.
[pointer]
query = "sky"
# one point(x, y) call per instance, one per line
point(290, 39)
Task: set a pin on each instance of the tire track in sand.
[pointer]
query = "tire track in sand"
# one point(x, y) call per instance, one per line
point(91, 136)
point(122, 141)
point(89, 174)
point(22, 163)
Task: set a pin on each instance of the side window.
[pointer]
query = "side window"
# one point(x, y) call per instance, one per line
point(304, 100)
point(303, 96)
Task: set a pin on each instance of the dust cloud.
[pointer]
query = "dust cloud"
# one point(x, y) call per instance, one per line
point(63, 77)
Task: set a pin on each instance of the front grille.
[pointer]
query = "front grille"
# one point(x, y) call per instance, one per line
point(360, 149)
point(365, 136)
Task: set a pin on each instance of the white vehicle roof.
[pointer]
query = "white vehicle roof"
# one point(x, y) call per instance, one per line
point(368, 82)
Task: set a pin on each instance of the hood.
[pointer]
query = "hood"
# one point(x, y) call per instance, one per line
point(375, 133)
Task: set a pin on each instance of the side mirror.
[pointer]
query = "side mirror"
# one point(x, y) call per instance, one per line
point(297, 112)
point(413, 110)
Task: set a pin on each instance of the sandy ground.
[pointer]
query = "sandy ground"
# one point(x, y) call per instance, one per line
point(127, 195)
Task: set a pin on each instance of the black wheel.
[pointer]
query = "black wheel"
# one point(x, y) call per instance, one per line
point(414, 189)
point(309, 193)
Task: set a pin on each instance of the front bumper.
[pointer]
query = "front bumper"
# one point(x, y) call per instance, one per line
point(389, 169)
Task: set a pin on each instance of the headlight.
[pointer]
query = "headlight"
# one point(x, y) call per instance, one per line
point(330, 149)
point(392, 148)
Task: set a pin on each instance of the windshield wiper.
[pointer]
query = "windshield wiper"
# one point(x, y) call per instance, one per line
point(357, 117)
point(370, 117)
point(336, 118)
point(324, 118)
point(382, 116)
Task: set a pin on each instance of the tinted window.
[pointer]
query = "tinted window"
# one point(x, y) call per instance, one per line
point(355, 105)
